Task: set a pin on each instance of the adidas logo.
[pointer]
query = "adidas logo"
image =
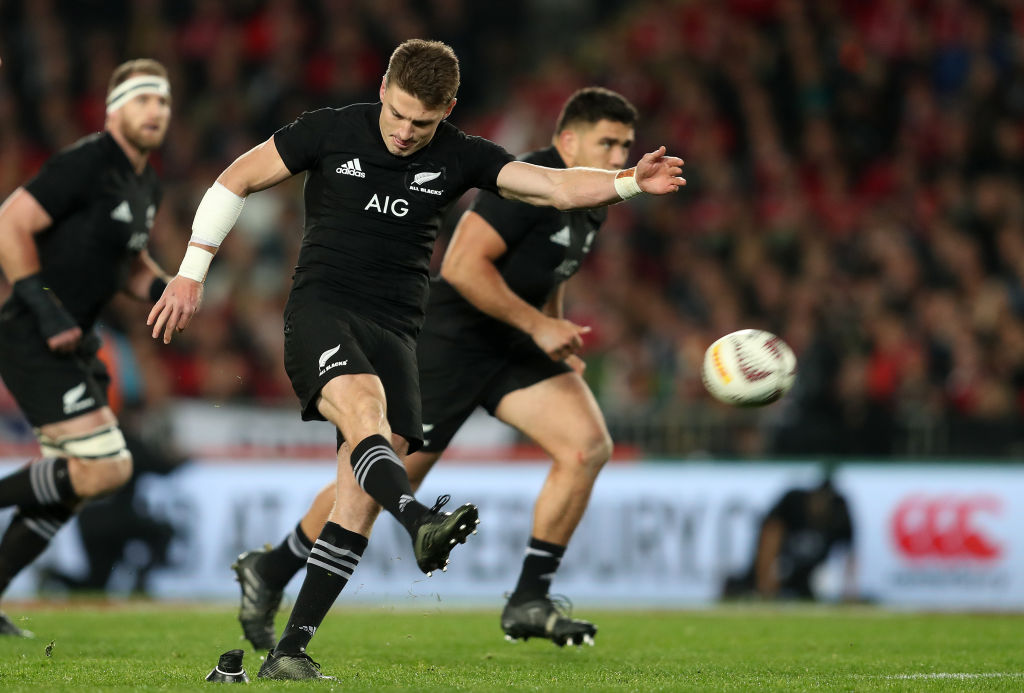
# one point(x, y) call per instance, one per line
point(122, 212)
point(351, 168)
point(73, 401)
point(324, 366)
point(562, 237)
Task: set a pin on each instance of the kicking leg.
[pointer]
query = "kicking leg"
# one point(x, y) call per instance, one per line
point(356, 405)
point(561, 415)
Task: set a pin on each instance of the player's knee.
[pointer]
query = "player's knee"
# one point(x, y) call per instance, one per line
point(120, 470)
point(590, 454)
point(598, 451)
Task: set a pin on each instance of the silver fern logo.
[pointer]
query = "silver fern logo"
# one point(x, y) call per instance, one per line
point(324, 357)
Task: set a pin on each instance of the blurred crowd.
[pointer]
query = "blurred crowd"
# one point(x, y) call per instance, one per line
point(853, 167)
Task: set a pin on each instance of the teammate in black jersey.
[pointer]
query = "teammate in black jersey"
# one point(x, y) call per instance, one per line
point(70, 239)
point(494, 337)
point(378, 178)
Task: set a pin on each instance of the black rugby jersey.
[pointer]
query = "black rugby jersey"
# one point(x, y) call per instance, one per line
point(372, 217)
point(545, 247)
point(102, 212)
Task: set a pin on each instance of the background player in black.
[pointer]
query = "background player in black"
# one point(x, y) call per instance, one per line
point(494, 336)
point(378, 177)
point(796, 537)
point(70, 239)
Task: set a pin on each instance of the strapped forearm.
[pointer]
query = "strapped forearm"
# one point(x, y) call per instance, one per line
point(217, 213)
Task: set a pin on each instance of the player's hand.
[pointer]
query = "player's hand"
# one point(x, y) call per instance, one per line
point(577, 364)
point(174, 311)
point(658, 174)
point(559, 338)
point(65, 341)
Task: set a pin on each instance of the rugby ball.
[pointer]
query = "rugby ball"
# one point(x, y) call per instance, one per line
point(749, 368)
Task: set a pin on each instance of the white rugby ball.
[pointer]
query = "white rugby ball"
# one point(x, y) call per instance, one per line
point(749, 368)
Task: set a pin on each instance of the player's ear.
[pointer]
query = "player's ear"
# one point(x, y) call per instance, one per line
point(568, 141)
point(383, 86)
point(449, 111)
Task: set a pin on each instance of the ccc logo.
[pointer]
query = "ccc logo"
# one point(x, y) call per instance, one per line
point(945, 527)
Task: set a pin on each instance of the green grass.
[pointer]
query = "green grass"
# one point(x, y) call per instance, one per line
point(154, 647)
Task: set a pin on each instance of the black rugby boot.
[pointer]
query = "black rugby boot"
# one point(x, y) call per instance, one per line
point(438, 533)
point(549, 618)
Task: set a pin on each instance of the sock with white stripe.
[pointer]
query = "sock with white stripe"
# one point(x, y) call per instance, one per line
point(279, 565)
point(27, 536)
point(539, 566)
point(334, 556)
point(382, 475)
point(44, 482)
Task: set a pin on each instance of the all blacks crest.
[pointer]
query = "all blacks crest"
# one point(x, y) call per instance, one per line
point(426, 179)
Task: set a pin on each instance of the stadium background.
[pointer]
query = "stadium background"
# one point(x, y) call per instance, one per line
point(853, 185)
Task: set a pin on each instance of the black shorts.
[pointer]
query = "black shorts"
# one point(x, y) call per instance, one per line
point(458, 375)
point(47, 386)
point(323, 341)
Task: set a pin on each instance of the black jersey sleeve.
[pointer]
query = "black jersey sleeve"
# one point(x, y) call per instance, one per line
point(481, 161)
point(299, 143)
point(66, 180)
point(511, 219)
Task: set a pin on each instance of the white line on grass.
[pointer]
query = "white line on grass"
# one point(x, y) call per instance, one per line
point(948, 675)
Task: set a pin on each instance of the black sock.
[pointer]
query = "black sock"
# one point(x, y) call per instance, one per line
point(334, 556)
point(43, 482)
point(539, 566)
point(281, 563)
point(382, 475)
point(27, 536)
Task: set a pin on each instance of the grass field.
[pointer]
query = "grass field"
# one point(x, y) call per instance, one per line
point(142, 646)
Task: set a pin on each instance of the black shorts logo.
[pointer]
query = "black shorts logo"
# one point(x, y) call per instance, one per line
point(326, 356)
point(75, 401)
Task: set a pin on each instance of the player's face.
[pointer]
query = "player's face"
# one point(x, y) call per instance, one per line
point(605, 144)
point(406, 124)
point(143, 120)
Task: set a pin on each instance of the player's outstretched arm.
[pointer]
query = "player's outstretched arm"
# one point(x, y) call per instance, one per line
point(259, 168)
point(21, 216)
point(581, 188)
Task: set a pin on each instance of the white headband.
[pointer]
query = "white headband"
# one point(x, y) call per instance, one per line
point(133, 86)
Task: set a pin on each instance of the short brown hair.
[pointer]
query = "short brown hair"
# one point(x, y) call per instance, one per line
point(592, 104)
point(145, 66)
point(429, 70)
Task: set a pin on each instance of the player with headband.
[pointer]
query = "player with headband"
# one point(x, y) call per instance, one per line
point(70, 239)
